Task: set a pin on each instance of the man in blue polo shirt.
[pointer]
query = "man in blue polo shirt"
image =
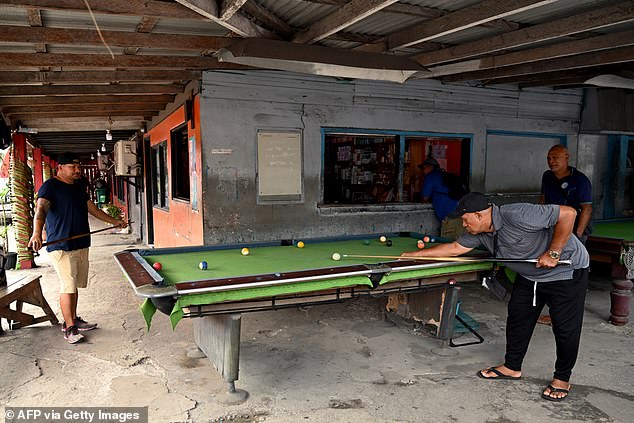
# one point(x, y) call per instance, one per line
point(63, 205)
point(566, 186)
point(529, 231)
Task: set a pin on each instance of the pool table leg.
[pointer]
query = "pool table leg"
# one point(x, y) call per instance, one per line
point(218, 336)
point(448, 311)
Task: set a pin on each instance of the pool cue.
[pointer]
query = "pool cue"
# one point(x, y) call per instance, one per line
point(80, 235)
point(457, 259)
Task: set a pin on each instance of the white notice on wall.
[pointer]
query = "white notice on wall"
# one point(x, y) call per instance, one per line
point(279, 164)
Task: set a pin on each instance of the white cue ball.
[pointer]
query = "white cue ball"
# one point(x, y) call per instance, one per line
point(336, 256)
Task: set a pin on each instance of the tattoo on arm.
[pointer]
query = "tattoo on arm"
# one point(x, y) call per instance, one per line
point(42, 208)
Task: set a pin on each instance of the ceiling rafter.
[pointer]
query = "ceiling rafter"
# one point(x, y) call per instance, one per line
point(571, 48)
point(96, 76)
point(595, 58)
point(582, 22)
point(237, 23)
point(10, 33)
point(352, 12)
point(479, 13)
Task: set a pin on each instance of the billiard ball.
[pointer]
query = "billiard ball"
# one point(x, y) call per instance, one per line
point(300, 244)
point(388, 242)
point(336, 256)
point(426, 239)
point(202, 265)
point(157, 265)
point(382, 238)
point(420, 244)
point(432, 239)
point(366, 242)
point(244, 251)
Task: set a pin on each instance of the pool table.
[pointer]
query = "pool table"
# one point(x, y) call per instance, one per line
point(280, 274)
point(612, 242)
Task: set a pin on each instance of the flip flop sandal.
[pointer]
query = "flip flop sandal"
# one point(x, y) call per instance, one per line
point(499, 375)
point(553, 389)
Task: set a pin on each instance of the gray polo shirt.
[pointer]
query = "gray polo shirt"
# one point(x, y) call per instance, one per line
point(525, 231)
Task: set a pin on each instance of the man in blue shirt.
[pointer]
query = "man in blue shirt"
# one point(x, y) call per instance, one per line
point(566, 186)
point(436, 191)
point(63, 204)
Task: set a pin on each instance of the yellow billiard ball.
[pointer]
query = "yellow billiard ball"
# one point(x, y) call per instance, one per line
point(245, 251)
point(300, 244)
point(382, 238)
point(336, 256)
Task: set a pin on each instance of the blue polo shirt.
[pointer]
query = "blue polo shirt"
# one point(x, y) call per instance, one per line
point(572, 190)
point(68, 214)
point(435, 189)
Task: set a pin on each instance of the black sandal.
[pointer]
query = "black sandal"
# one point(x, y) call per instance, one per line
point(553, 389)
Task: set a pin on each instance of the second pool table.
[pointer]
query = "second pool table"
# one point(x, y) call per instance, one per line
point(612, 242)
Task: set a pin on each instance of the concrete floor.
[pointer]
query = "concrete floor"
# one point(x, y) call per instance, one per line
point(332, 363)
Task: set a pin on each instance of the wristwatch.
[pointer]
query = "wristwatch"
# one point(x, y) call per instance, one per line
point(556, 255)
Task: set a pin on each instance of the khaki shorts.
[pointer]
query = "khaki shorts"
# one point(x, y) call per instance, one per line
point(72, 269)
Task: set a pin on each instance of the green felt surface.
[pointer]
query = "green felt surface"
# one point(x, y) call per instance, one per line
point(180, 267)
point(621, 229)
point(276, 259)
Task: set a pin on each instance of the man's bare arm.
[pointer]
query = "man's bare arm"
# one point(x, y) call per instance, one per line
point(450, 249)
point(584, 218)
point(42, 206)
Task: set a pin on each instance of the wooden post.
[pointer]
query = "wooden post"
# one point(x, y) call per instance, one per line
point(22, 197)
point(38, 176)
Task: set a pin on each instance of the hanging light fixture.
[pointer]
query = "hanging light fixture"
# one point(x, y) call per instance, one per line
point(108, 134)
point(103, 146)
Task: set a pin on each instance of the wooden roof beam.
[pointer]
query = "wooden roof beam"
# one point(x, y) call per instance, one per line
point(66, 100)
point(21, 34)
point(604, 57)
point(587, 21)
point(571, 48)
point(352, 12)
point(95, 76)
point(76, 90)
point(477, 14)
point(237, 23)
point(25, 61)
point(154, 8)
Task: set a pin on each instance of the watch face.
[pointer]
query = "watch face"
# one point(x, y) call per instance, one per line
point(553, 254)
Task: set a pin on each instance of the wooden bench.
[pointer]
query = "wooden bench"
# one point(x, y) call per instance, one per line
point(25, 290)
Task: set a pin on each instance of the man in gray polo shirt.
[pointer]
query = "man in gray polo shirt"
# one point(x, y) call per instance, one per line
point(529, 231)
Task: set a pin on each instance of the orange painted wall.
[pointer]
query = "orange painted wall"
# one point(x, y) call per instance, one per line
point(180, 225)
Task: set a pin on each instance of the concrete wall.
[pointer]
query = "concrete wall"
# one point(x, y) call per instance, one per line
point(235, 105)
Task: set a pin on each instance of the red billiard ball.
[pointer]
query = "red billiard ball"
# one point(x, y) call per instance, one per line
point(426, 239)
point(157, 266)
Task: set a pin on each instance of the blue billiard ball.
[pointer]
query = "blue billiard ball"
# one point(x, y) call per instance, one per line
point(202, 265)
point(366, 242)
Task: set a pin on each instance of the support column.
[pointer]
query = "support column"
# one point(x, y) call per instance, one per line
point(22, 196)
point(46, 169)
point(38, 176)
